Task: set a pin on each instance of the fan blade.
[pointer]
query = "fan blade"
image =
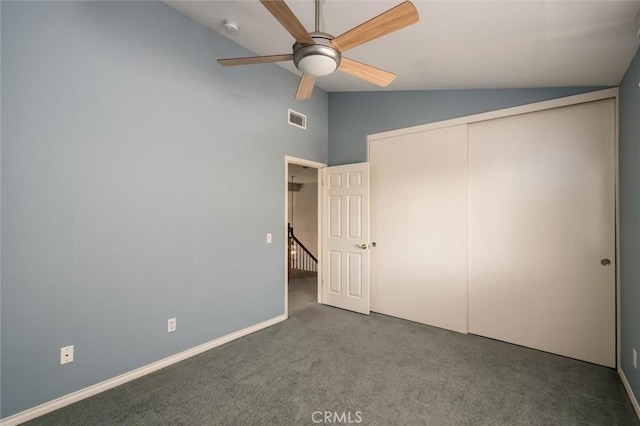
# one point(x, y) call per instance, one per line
point(366, 72)
point(305, 88)
point(288, 20)
point(387, 22)
point(255, 60)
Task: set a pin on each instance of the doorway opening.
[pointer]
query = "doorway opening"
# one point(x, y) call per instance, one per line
point(302, 247)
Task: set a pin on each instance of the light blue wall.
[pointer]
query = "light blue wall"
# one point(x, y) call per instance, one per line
point(353, 116)
point(629, 140)
point(132, 168)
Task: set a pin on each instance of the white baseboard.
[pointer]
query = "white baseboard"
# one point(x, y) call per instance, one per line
point(632, 397)
point(57, 403)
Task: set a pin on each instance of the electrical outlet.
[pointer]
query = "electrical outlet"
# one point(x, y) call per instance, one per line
point(635, 359)
point(66, 355)
point(171, 325)
point(269, 238)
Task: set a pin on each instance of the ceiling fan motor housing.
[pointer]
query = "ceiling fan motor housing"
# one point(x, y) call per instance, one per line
point(318, 59)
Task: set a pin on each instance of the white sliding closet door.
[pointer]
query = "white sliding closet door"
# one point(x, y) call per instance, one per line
point(419, 224)
point(542, 230)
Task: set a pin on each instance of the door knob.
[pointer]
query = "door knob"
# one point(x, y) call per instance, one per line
point(362, 246)
point(605, 262)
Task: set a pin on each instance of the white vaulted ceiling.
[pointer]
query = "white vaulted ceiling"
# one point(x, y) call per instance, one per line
point(456, 44)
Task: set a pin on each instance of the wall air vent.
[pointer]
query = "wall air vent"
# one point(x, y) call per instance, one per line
point(297, 119)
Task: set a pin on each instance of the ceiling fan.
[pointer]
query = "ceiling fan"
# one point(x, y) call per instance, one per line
point(318, 54)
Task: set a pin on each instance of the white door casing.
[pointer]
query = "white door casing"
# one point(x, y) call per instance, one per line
point(541, 219)
point(345, 237)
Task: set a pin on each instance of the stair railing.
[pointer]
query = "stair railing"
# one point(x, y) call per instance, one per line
point(300, 257)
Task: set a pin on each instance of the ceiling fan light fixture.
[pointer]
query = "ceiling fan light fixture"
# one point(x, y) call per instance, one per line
point(318, 59)
point(317, 65)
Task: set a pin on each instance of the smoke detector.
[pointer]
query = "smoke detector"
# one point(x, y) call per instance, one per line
point(230, 26)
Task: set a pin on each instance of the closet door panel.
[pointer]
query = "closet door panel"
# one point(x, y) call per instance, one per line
point(419, 224)
point(542, 229)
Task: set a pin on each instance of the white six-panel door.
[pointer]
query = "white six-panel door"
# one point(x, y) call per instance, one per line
point(542, 230)
point(345, 237)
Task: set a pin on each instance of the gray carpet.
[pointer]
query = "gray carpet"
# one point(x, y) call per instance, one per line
point(382, 370)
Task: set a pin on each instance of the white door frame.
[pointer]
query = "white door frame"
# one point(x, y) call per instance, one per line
point(318, 166)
